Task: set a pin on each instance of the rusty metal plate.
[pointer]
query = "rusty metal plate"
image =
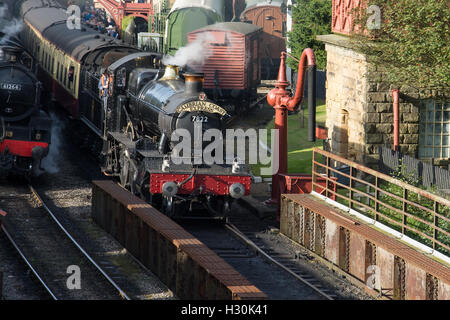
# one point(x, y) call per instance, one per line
point(357, 254)
point(332, 240)
point(415, 283)
point(385, 263)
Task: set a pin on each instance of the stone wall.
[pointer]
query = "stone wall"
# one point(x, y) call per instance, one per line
point(357, 88)
point(346, 100)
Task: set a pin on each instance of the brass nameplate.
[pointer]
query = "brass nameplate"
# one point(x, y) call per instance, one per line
point(205, 106)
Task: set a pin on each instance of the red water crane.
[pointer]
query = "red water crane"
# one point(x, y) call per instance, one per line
point(282, 101)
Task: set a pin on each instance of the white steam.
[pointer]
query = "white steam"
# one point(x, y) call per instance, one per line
point(52, 161)
point(195, 52)
point(9, 27)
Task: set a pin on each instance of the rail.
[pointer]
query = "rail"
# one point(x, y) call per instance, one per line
point(69, 236)
point(412, 211)
point(316, 287)
point(28, 263)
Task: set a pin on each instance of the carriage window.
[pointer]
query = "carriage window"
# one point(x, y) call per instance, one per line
point(70, 75)
point(57, 72)
point(65, 76)
point(53, 64)
point(434, 139)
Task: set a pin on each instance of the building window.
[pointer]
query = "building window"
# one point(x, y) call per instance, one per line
point(434, 140)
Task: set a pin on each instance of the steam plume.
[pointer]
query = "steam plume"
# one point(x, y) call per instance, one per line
point(52, 161)
point(8, 27)
point(195, 52)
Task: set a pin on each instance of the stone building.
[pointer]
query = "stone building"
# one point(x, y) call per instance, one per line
point(359, 106)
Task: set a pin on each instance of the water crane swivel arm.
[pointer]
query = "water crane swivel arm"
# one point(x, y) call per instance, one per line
point(279, 95)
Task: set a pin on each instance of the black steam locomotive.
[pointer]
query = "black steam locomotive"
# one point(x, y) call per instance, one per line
point(25, 129)
point(146, 106)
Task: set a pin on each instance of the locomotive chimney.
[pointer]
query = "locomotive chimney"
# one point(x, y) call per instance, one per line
point(193, 83)
point(170, 73)
point(12, 53)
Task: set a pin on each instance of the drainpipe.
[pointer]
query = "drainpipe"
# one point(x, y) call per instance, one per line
point(395, 95)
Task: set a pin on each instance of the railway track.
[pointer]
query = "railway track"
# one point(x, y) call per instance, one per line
point(284, 262)
point(51, 253)
point(267, 271)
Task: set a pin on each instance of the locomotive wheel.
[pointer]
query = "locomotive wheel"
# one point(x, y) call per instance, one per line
point(124, 174)
point(127, 175)
point(168, 206)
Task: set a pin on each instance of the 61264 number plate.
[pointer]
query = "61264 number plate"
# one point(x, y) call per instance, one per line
point(11, 86)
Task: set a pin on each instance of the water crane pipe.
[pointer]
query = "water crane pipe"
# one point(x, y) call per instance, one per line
point(282, 101)
point(307, 57)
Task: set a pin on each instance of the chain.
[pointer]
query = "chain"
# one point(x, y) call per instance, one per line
point(312, 231)
point(435, 288)
point(432, 287)
point(347, 250)
point(402, 279)
point(322, 235)
point(374, 254)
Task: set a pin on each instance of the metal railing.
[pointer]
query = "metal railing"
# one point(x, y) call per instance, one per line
point(414, 212)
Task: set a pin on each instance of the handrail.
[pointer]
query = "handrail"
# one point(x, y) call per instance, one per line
point(383, 176)
point(431, 230)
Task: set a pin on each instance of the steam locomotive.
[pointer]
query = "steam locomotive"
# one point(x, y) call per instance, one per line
point(25, 129)
point(147, 105)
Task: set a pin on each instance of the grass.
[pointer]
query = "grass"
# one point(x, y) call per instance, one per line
point(299, 148)
point(384, 211)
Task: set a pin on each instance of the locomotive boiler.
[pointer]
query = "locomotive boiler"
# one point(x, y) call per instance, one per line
point(168, 104)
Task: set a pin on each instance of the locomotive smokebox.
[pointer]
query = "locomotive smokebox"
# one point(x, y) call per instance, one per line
point(193, 83)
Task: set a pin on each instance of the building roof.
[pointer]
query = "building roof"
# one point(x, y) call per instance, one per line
point(238, 27)
point(51, 22)
point(214, 5)
point(254, 3)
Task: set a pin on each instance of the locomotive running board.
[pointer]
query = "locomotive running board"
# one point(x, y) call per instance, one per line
point(87, 122)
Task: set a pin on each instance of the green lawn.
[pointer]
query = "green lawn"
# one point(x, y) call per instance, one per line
point(299, 148)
